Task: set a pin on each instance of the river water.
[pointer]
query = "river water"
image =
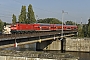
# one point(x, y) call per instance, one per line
point(81, 55)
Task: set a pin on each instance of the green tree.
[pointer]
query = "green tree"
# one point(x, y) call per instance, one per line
point(1, 25)
point(5, 23)
point(88, 21)
point(85, 30)
point(70, 23)
point(89, 30)
point(22, 16)
point(30, 15)
point(80, 31)
point(49, 20)
point(14, 19)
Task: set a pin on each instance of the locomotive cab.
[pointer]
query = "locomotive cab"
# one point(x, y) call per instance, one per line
point(14, 28)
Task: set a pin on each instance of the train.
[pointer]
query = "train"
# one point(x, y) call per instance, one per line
point(39, 27)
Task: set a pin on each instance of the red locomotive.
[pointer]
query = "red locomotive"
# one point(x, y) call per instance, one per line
point(23, 28)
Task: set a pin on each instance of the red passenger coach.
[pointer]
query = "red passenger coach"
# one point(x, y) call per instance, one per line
point(58, 26)
point(36, 27)
point(69, 27)
point(52, 27)
point(42, 27)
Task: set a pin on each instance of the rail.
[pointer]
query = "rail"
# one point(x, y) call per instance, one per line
point(13, 36)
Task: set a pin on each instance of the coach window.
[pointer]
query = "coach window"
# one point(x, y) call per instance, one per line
point(64, 27)
point(51, 27)
point(68, 28)
point(74, 28)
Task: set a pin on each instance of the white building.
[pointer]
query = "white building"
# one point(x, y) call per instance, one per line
point(7, 29)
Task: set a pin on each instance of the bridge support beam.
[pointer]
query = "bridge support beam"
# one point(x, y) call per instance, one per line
point(43, 45)
point(49, 45)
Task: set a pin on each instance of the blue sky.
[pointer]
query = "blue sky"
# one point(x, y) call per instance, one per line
point(48, 9)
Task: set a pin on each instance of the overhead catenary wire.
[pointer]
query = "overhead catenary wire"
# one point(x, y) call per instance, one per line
point(6, 14)
point(9, 13)
point(38, 8)
point(49, 11)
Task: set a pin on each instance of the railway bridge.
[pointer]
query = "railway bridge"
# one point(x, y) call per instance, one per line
point(43, 40)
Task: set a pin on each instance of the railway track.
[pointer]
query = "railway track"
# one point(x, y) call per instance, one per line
point(34, 34)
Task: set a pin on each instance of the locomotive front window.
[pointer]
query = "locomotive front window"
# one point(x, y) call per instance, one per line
point(13, 25)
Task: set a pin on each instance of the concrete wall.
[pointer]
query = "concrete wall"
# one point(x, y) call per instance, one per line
point(21, 58)
point(27, 58)
point(77, 45)
point(55, 45)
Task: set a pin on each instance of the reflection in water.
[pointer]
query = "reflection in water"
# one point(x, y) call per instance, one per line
point(30, 47)
point(81, 55)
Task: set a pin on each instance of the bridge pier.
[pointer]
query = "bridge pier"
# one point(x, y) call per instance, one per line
point(63, 45)
point(52, 45)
